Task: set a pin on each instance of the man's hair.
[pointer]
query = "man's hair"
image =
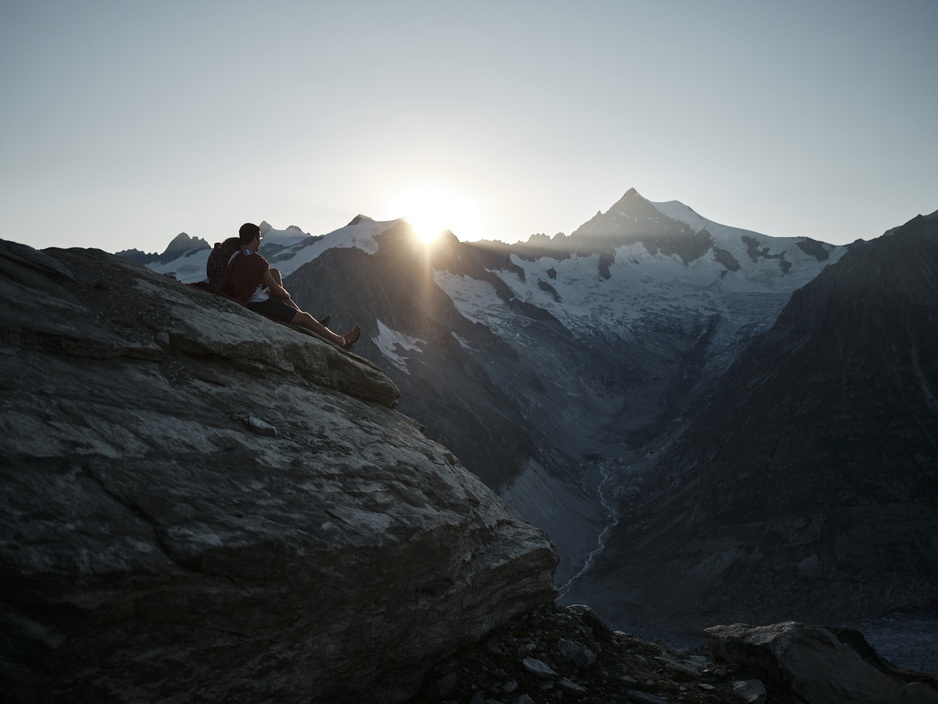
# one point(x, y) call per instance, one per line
point(248, 232)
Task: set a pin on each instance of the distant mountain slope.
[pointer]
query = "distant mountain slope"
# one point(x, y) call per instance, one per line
point(672, 304)
point(806, 482)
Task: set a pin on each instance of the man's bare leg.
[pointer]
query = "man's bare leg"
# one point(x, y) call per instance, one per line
point(307, 321)
point(278, 278)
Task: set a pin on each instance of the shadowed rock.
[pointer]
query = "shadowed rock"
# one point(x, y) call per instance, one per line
point(820, 665)
point(200, 505)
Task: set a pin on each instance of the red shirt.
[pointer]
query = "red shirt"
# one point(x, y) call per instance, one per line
point(243, 275)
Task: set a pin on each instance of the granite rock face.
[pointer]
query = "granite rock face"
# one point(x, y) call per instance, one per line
point(197, 504)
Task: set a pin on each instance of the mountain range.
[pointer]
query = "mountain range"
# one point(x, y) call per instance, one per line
point(709, 421)
point(804, 483)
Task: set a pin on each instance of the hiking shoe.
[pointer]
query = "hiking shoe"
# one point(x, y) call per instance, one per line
point(325, 321)
point(350, 338)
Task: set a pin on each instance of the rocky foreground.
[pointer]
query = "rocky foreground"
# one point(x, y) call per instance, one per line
point(557, 654)
point(199, 505)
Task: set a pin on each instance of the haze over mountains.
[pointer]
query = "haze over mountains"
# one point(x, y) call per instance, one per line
point(711, 422)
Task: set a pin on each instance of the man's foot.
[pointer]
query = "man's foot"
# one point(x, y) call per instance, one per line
point(350, 338)
point(325, 321)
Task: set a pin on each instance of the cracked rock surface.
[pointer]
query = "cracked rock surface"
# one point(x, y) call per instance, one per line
point(199, 505)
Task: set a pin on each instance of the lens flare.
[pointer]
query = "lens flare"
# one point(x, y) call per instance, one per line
point(432, 210)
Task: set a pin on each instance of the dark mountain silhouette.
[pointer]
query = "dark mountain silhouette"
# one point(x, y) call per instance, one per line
point(805, 484)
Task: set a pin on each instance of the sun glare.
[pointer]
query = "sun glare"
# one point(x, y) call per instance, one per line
point(431, 210)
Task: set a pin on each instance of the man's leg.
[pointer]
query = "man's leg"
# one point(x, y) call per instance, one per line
point(307, 321)
point(278, 279)
point(275, 273)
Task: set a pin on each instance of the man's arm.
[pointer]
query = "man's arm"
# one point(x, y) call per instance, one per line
point(275, 289)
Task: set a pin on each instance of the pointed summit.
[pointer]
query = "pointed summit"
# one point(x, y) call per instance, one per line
point(630, 218)
point(633, 202)
point(181, 245)
point(635, 219)
point(184, 243)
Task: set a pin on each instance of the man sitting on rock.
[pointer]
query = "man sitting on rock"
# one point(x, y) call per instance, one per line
point(248, 279)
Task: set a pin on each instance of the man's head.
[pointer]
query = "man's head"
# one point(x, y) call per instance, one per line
point(248, 233)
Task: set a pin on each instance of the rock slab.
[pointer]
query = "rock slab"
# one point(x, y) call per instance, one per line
point(199, 505)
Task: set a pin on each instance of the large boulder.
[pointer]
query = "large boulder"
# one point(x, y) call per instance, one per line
point(821, 665)
point(197, 504)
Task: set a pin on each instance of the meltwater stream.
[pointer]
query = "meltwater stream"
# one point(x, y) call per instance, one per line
point(606, 500)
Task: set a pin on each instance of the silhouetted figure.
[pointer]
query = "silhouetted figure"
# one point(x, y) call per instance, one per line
point(248, 279)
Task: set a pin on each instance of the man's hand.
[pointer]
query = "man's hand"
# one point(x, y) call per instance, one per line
point(279, 292)
point(274, 289)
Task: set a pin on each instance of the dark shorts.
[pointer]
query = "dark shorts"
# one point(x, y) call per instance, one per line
point(276, 309)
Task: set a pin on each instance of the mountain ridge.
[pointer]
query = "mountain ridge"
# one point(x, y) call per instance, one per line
point(182, 245)
point(809, 472)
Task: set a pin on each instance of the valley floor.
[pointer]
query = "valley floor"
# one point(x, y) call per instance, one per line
point(906, 640)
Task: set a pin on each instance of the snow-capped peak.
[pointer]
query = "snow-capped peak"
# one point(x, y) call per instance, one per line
point(287, 249)
point(285, 238)
point(676, 210)
point(360, 233)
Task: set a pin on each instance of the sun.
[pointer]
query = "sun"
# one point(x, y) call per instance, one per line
point(431, 210)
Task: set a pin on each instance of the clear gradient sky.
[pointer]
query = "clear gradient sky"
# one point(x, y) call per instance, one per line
point(126, 122)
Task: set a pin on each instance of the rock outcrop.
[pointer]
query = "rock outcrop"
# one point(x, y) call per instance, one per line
point(197, 504)
point(819, 665)
point(571, 654)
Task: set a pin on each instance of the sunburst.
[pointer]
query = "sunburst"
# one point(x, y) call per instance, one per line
point(431, 210)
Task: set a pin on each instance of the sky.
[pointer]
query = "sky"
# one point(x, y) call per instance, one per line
point(125, 123)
